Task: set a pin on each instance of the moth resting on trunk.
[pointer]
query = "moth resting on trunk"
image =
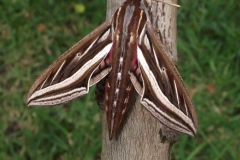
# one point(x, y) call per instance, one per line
point(125, 53)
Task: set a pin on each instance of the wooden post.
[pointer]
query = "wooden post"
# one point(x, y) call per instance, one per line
point(138, 137)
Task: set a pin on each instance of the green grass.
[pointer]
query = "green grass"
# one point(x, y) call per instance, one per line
point(34, 33)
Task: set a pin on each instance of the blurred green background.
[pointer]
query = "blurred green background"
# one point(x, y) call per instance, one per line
point(34, 33)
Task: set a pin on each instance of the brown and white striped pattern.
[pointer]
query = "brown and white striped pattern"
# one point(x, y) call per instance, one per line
point(124, 54)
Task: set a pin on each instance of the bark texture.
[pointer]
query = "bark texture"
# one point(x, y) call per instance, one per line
point(139, 136)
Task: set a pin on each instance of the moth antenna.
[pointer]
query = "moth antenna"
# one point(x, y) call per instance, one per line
point(172, 4)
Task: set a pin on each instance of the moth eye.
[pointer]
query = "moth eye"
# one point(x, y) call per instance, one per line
point(79, 54)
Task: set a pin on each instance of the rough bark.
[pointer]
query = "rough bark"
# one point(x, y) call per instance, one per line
point(138, 137)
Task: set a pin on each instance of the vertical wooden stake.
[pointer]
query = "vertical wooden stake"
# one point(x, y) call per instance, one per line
point(139, 137)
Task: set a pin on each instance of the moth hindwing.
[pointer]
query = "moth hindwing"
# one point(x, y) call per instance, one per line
point(126, 55)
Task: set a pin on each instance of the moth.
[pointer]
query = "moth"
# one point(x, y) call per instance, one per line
point(121, 56)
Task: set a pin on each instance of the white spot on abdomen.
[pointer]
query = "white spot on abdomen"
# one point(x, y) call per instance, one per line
point(117, 91)
point(126, 100)
point(121, 60)
point(123, 111)
point(119, 76)
point(114, 104)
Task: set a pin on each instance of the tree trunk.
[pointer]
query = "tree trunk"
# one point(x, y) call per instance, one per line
point(138, 137)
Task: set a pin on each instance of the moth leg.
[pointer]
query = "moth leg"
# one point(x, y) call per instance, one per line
point(99, 92)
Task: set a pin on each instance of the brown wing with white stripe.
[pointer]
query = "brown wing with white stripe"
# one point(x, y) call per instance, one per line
point(163, 91)
point(71, 74)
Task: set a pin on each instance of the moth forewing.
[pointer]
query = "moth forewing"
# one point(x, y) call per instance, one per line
point(60, 91)
point(157, 103)
point(69, 76)
point(164, 93)
point(162, 56)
